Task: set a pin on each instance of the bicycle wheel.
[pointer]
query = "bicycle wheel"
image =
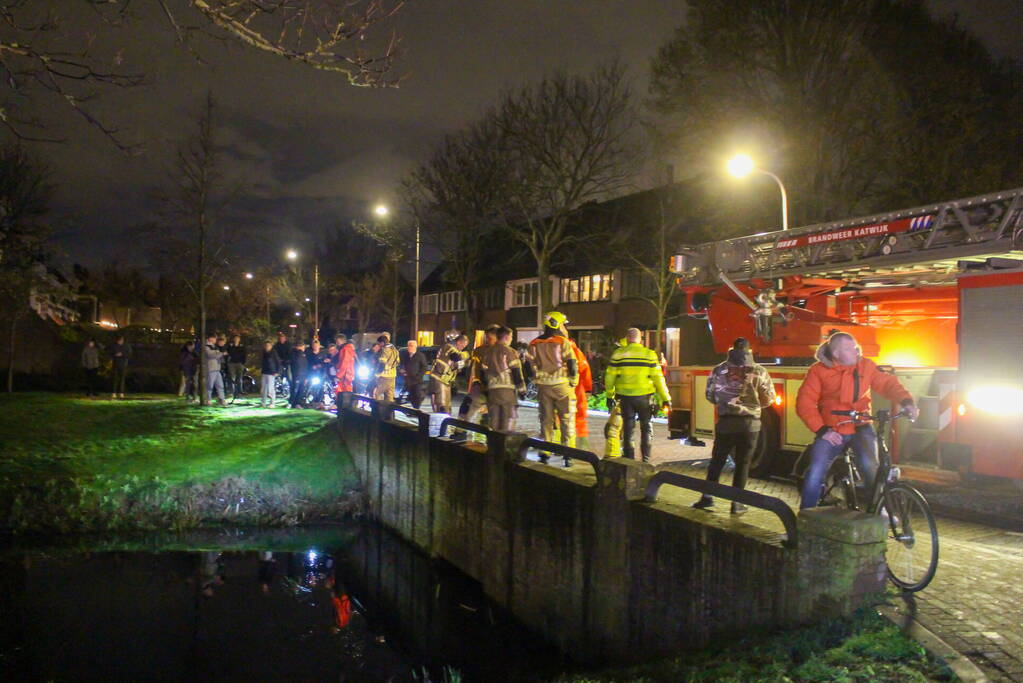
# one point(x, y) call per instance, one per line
point(912, 545)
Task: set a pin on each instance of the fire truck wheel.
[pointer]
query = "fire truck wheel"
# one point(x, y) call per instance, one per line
point(765, 455)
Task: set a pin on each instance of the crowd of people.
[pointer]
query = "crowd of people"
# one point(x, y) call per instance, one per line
point(313, 376)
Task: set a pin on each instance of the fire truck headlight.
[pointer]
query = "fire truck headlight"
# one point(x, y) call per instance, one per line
point(1000, 400)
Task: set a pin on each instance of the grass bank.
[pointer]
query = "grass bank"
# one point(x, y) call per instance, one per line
point(865, 647)
point(72, 464)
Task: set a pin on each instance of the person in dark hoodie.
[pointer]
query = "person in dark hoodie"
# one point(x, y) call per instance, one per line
point(317, 371)
point(283, 350)
point(187, 365)
point(842, 379)
point(300, 375)
point(90, 362)
point(120, 352)
point(740, 389)
point(271, 365)
point(236, 355)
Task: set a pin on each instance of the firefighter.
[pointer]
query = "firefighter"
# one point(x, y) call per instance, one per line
point(585, 385)
point(557, 374)
point(740, 389)
point(475, 397)
point(445, 368)
point(633, 378)
point(386, 369)
point(502, 380)
point(842, 379)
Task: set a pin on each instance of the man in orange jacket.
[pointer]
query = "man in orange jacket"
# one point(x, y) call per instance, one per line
point(345, 364)
point(842, 379)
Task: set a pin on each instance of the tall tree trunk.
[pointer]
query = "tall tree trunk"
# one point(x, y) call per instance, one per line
point(395, 313)
point(546, 299)
point(10, 355)
point(204, 373)
point(470, 312)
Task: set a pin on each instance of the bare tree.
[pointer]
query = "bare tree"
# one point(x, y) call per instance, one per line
point(196, 235)
point(455, 197)
point(566, 142)
point(24, 201)
point(45, 50)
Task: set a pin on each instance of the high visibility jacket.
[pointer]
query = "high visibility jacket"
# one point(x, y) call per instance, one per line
point(476, 363)
point(829, 386)
point(500, 367)
point(634, 370)
point(387, 361)
point(445, 366)
point(550, 357)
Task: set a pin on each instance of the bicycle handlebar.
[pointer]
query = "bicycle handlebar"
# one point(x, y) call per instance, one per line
point(858, 416)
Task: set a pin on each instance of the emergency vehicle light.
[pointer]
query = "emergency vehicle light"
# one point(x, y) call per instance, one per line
point(997, 399)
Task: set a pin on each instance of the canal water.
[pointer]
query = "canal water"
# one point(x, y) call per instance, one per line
point(314, 604)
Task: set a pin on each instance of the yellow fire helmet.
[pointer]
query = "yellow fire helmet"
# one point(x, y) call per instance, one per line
point(555, 319)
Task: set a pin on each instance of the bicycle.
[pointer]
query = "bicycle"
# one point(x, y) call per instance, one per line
point(282, 388)
point(912, 540)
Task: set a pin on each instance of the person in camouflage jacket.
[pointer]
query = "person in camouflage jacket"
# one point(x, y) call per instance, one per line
point(740, 389)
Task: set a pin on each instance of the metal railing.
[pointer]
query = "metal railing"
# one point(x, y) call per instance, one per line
point(713, 488)
point(379, 408)
point(464, 425)
point(567, 452)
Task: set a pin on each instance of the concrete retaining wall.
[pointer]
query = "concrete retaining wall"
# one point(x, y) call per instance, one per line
point(588, 563)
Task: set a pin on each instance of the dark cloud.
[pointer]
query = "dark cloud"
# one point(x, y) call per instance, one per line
point(311, 151)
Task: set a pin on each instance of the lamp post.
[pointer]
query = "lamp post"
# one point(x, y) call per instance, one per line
point(292, 255)
point(742, 165)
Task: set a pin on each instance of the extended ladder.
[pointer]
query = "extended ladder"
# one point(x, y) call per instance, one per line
point(924, 243)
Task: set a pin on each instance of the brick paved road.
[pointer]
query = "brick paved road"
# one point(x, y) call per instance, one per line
point(975, 602)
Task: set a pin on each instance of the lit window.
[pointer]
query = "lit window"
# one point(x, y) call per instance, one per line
point(585, 289)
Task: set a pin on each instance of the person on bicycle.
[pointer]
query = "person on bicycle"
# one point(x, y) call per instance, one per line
point(842, 379)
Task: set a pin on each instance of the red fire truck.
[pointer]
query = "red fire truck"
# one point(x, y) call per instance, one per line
point(935, 292)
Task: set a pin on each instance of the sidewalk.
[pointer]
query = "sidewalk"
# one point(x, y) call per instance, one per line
point(975, 603)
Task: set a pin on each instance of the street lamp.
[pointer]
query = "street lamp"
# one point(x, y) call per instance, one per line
point(292, 256)
point(741, 165)
point(381, 211)
point(227, 287)
point(248, 276)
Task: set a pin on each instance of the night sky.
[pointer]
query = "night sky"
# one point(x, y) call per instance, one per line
point(312, 151)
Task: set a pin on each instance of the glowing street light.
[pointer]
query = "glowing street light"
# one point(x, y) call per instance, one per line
point(227, 287)
point(248, 276)
point(298, 313)
point(381, 211)
point(741, 165)
point(291, 254)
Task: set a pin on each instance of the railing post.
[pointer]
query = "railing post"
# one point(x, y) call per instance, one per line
point(620, 482)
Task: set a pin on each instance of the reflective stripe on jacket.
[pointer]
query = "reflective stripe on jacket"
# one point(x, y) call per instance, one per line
point(550, 357)
point(634, 370)
point(387, 362)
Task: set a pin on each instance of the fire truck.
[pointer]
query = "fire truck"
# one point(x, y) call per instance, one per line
point(933, 292)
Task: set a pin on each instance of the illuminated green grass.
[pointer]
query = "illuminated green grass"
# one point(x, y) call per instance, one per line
point(153, 461)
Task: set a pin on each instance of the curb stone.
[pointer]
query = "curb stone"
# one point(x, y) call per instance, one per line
point(960, 664)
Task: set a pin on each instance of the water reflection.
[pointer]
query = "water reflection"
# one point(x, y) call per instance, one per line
point(370, 609)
